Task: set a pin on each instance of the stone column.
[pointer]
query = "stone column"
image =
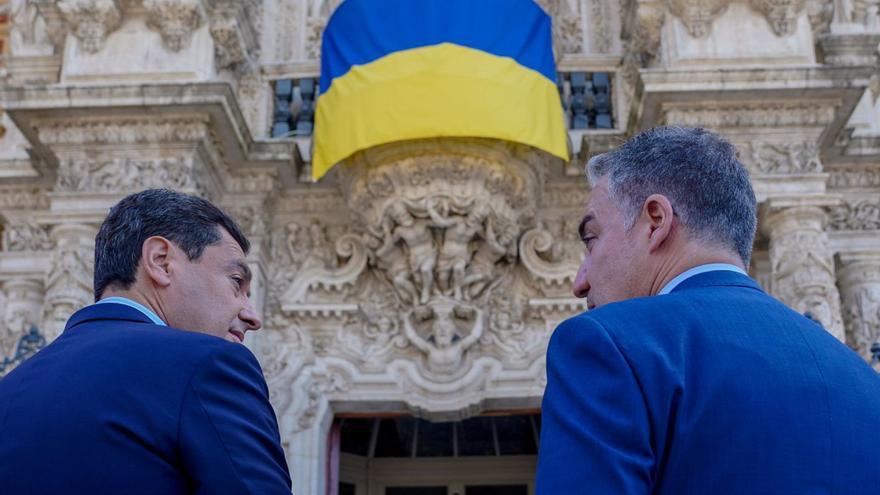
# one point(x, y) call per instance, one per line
point(802, 265)
point(24, 297)
point(69, 279)
point(859, 280)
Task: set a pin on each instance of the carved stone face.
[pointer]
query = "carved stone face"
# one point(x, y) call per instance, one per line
point(444, 330)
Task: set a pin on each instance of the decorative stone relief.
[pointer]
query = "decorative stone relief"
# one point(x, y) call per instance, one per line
point(27, 236)
point(317, 15)
point(600, 30)
point(127, 174)
point(781, 158)
point(781, 14)
point(28, 31)
point(285, 351)
point(856, 215)
point(854, 177)
point(176, 20)
point(860, 291)
point(24, 199)
point(20, 301)
point(802, 265)
point(68, 281)
point(235, 40)
point(568, 32)
point(320, 384)
point(123, 131)
point(765, 114)
point(640, 33)
point(697, 15)
point(91, 21)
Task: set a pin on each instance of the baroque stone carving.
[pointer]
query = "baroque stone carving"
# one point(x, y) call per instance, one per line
point(317, 15)
point(124, 131)
point(854, 177)
point(641, 22)
point(802, 266)
point(781, 158)
point(446, 340)
point(697, 15)
point(28, 33)
point(858, 215)
point(600, 15)
point(27, 237)
point(745, 115)
point(860, 291)
point(126, 174)
point(781, 14)
point(24, 198)
point(91, 20)
point(68, 281)
point(20, 301)
point(176, 20)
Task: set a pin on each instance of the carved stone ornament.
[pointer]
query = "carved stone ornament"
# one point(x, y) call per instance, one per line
point(20, 301)
point(860, 291)
point(68, 281)
point(781, 14)
point(28, 33)
point(765, 114)
point(857, 215)
point(768, 158)
point(127, 174)
point(233, 33)
point(642, 22)
point(803, 267)
point(91, 21)
point(24, 199)
point(697, 15)
point(27, 236)
point(176, 20)
point(123, 131)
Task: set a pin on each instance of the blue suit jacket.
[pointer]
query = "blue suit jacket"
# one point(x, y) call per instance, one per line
point(714, 388)
point(118, 404)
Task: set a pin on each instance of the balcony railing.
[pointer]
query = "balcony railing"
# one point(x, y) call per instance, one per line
point(586, 98)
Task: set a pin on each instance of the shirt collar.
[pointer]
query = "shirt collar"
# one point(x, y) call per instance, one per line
point(710, 267)
point(132, 304)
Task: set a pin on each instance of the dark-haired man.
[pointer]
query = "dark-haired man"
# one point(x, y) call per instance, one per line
point(149, 390)
point(685, 377)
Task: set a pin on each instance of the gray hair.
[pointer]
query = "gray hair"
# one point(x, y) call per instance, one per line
point(698, 172)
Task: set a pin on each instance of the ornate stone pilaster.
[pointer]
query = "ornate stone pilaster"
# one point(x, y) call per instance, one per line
point(23, 300)
point(232, 28)
point(91, 21)
point(859, 280)
point(68, 281)
point(802, 265)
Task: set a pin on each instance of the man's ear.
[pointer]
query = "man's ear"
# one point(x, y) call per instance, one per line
point(156, 256)
point(657, 211)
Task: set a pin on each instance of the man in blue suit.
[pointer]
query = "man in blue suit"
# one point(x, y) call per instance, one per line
point(149, 391)
point(684, 377)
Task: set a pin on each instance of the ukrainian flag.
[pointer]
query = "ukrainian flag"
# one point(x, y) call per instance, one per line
point(393, 70)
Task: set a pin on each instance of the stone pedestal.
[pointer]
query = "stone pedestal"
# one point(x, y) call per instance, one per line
point(802, 265)
point(859, 281)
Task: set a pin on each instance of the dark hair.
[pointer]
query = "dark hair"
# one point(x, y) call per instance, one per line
point(697, 170)
point(191, 223)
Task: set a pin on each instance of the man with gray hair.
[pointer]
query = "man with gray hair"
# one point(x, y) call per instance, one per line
point(684, 377)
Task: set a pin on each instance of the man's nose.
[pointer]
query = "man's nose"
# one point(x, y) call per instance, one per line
point(250, 317)
point(580, 286)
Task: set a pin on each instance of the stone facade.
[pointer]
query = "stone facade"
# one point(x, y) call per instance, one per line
point(422, 277)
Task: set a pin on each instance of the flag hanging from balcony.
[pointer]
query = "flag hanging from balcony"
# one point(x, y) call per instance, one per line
point(393, 70)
